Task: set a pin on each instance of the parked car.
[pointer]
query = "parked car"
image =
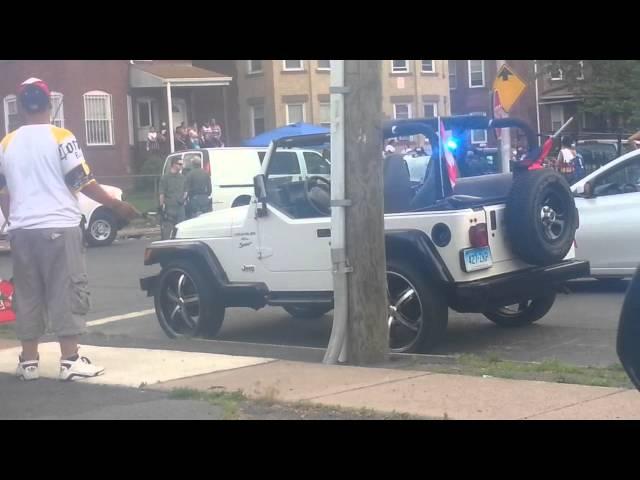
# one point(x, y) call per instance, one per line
point(101, 225)
point(598, 152)
point(232, 169)
point(608, 201)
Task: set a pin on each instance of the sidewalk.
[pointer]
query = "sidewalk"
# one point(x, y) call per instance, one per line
point(416, 393)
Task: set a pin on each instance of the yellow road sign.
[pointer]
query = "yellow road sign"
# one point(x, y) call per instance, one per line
point(509, 87)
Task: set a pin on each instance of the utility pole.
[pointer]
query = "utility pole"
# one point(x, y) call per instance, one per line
point(505, 134)
point(367, 327)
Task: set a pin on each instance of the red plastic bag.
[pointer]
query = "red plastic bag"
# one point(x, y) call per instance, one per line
point(7, 314)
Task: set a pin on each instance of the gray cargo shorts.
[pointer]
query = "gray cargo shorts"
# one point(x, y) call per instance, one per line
point(50, 278)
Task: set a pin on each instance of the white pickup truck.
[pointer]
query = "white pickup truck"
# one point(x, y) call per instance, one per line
point(494, 244)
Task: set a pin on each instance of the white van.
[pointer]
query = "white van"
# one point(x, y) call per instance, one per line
point(232, 169)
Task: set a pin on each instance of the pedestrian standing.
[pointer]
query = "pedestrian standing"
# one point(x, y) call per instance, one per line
point(565, 163)
point(197, 190)
point(172, 196)
point(42, 170)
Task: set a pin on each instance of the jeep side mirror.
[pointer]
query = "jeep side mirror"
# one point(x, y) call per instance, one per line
point(260, 191)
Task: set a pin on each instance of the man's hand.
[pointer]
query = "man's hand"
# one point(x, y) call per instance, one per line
point(125, 210)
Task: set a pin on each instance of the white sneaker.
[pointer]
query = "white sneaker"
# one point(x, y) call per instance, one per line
point(27, 370)
point(79, 368)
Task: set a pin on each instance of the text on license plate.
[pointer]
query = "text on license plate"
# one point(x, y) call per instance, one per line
point(477, 258)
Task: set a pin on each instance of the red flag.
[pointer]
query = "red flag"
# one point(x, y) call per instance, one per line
point(452, 168)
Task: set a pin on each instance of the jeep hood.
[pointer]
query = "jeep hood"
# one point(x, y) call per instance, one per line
point(216, 224)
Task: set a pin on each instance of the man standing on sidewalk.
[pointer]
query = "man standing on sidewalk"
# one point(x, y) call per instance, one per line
point(42, 169)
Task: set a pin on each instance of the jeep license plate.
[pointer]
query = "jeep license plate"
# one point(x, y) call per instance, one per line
point(477, 258)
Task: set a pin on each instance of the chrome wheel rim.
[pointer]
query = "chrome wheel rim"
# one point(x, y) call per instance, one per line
point(406, 315)
point(100, 230)
point(180, 303)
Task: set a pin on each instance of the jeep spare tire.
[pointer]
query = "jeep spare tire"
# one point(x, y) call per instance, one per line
point(541, 216)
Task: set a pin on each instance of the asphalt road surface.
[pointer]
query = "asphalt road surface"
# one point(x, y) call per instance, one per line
point(580, 329)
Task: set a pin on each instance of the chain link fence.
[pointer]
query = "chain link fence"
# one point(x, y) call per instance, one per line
point(139, 190)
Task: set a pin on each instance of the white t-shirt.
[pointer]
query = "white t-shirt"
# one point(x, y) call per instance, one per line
point(43, 168)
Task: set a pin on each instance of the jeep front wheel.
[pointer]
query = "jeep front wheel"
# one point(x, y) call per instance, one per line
point(523, 313)
point(185, 303)
point(418, 313)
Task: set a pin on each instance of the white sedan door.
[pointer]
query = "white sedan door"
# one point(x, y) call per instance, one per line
point(609, 233)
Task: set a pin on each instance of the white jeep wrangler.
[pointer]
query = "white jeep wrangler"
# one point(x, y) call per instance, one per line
point(494, 244)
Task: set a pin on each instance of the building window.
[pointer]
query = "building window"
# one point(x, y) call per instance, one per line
point(556, 74)
point(401, 111)
point(580, 70)
point(478, 136)
point(557, 116)
point(98, 118)
point(453, 74)
point(428, 66)
point(57, 109)
point(399, 66)
point(254, 66)
point(324, 64)
point(476, 73)
point(292, 65)
point(325, 114)
point(430, 110)
point(295, 113)
point(11, 119)
point(257, 119)
point(130, 120)
point(145, 113)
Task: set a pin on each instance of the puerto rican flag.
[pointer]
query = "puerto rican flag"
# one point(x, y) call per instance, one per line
point(452, 168)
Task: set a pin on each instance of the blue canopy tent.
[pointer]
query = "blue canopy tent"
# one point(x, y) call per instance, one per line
point(292, 130)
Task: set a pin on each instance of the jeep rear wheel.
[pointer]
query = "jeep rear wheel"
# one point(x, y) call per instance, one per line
point(541, 216)
point(523, 313)
point(418, 313)
point(307, 311)
point(185, 303)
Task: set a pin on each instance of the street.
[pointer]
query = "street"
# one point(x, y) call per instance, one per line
point(580, 329)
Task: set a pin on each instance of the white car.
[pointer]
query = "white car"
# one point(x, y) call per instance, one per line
point(232, 169)
point(100, 224)
point(608, 201)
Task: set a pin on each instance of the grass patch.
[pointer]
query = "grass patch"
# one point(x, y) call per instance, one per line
point(229, 402)
point(143, 201)
point(548, 371)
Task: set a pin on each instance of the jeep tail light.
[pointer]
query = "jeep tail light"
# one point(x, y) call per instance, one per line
point(479, 235)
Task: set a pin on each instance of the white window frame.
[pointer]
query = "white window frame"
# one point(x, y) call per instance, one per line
point(435, 109)
point(7, 100)
point(304, 113)
point(404, 69)
point(296, 69)
point(58, 120)
point(109, 110)
point(453, 85)
point(395, 110)
point(149, 103)
point(581, 65)
point(250, 66)
point(326, 105)
point(130, 120)
point(433, 66)
point(556, 107)
point(252, 115)
point(473, 132)
point(469, 72)
point(324, 69)
point(559, 77)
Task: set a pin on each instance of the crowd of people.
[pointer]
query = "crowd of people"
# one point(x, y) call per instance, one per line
point(209, 135)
